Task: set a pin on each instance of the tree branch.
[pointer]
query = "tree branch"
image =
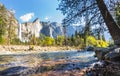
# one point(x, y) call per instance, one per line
point(81, 12)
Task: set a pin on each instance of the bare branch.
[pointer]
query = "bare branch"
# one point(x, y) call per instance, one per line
point(79, 13)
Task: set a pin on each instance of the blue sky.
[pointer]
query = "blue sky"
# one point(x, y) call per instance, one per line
point(28, 10)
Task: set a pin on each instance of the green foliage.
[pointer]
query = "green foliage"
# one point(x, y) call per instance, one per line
point(7, 25)
point(48, 41)
point(12, 29)
point(34, 40)
point(16, 41)
point(60, 40)
point(75, 40)
point(3, 24)
point(3, 21)
point(31, 47)
point(2, 40)
point(42, 36)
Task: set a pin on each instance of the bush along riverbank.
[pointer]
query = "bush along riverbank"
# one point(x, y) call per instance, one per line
point(109, 64)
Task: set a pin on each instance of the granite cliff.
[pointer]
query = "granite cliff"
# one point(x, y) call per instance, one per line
point(28, 29)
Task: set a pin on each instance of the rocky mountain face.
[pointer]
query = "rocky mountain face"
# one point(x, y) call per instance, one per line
point(52, 29)
point(29, 29)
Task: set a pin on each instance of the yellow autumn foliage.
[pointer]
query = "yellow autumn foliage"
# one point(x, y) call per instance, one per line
point(92, 41)
point(101, 43)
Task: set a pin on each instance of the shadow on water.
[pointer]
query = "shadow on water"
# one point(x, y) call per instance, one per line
point(13, 71)
point(84, 59)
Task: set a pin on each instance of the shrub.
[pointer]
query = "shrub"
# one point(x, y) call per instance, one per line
point(2, 40)
point(101, 43)
point(91, 41)
point(16, 41)
point(60, 40)
point(48, 41)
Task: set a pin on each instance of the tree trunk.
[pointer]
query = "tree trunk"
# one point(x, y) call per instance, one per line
point(110, 23)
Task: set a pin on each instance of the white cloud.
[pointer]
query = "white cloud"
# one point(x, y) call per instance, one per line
point(27, 17)
point(47, 17)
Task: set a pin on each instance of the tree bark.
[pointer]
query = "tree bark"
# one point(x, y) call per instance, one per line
point(110, 23)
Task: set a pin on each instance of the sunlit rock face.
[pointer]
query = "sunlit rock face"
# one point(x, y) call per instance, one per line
point(37, 26)
point(30, 29)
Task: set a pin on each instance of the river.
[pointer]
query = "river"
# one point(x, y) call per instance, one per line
point(67, 60)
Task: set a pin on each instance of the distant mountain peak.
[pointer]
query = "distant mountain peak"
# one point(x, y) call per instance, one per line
point(36, 20)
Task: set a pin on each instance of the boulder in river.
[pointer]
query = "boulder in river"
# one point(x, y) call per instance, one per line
point(108, 69)
point(89, 48)
point(100, 52)
point(113, 55)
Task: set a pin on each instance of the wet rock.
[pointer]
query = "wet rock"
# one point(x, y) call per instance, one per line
point(111, 69)
point(89, 48)
point(113, 55)
point(100, 52)
point(79, 50)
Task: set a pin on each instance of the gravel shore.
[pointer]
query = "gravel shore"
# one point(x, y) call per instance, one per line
point(25, 49)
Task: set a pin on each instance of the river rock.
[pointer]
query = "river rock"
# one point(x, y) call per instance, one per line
point(111, 69)
point(100, 52)
point(89, 48)
point(113, 55)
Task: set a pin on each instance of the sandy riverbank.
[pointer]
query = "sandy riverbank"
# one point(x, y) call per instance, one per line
point(24, 49)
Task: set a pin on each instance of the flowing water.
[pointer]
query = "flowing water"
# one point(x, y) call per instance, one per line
point(67, 60)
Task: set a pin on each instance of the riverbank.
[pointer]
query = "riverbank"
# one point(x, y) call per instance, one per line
point(26, 49)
